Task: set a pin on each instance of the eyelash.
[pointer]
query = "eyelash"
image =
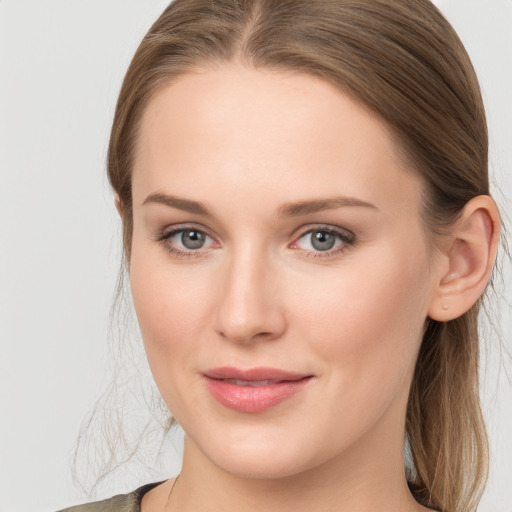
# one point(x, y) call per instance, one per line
point(164, 240)
point(346, 237)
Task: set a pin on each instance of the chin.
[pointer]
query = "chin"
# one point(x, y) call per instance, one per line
point(266, 455)
point(263, 465)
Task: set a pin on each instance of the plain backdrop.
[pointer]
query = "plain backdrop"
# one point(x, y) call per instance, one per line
point(61, 65)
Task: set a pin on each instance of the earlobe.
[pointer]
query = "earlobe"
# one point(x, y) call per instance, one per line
point(468, 260)
point(119, 206)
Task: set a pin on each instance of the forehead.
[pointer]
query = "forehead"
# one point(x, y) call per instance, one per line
point(241, 130)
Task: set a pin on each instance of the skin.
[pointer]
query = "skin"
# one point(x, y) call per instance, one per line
point(258, 292)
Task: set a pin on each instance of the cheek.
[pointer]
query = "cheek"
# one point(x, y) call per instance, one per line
point(172, 308)
point(368, 319)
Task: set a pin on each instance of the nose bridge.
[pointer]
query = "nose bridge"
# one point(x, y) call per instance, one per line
point(248, 305)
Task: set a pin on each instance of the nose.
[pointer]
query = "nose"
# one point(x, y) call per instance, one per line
point(249, 306)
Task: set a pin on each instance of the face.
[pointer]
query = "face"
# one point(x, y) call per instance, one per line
point(279, 269)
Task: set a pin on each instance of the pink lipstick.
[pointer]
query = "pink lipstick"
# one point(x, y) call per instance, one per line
point(254, 390)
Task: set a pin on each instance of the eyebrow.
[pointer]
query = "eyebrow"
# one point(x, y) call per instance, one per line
point(180, 203)
point(293, 209)
point(318, 205)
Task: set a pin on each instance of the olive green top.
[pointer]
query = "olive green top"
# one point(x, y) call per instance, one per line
point(120, 503)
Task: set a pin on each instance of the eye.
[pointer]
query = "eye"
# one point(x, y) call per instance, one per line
point(325, 241)
point(185, 242)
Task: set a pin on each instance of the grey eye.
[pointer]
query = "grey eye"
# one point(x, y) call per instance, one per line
point(192, 239)
point(322, 240)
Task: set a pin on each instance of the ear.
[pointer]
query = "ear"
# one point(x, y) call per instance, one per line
point(119, 206)
point(466, 261)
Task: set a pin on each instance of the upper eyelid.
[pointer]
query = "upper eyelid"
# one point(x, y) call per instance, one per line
point(325, 227)
point(345, 235)
point(172, 230)
point(304, 230)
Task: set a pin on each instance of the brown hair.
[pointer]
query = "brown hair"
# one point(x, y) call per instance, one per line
point(404, 61)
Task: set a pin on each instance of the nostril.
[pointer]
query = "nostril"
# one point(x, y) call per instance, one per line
point(246, 336)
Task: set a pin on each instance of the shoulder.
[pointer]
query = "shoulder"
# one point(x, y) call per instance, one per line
point(121, 503)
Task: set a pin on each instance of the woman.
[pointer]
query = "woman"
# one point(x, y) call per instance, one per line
point(308, 233)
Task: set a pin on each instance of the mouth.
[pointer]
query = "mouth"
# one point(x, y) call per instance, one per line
point(253, 390)
point(250, 382)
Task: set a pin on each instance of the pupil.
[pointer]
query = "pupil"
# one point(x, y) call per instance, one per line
point(323, 241)
point(192, 239)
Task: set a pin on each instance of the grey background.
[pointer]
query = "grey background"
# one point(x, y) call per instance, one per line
point(61, 65)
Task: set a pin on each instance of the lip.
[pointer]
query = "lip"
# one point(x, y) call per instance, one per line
point(255, 389)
